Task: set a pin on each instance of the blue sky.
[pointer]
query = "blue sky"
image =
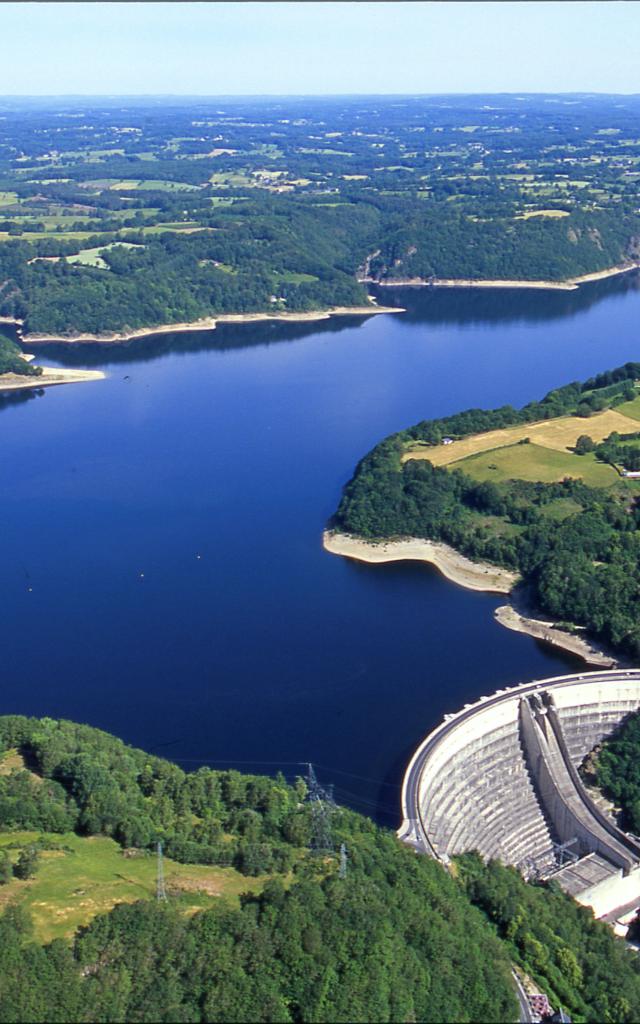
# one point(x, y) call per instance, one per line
point(314, 48)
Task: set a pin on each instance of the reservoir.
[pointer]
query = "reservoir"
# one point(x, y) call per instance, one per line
point(161, 563)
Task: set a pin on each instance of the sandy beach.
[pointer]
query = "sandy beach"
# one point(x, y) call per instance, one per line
point(479, 576)
point(566, 286)
point(208, 323)
point(50, 376)
point(454, 566)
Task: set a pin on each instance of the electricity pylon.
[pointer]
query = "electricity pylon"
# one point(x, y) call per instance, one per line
point(322, 807)
point(161, 892)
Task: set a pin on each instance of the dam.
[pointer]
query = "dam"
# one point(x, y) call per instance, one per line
point(501, 777)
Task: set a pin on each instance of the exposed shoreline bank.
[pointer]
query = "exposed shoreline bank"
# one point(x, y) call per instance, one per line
point(49, 377)
point(204, 324)
point(211, 322)
point(542, 629)
point(478, 576)
point(570, 285)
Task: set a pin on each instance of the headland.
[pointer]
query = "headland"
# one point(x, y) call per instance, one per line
point(479, 576)
point(203, 324)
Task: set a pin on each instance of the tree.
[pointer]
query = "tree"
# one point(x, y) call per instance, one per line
point(584, 444)
point(27, 863)
point(6, 871)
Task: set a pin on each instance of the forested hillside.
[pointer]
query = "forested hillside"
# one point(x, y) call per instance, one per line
point(251, 206)
point(396, 939)
point(11, 360)
point(616, 770)
point(576, 545)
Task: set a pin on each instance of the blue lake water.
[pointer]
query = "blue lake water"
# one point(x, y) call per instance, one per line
point(234, 445)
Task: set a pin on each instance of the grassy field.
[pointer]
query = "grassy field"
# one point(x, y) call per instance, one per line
point(631, 409)
point(89, 258)
point(82, 236)
point(533, 462)
point(8, 198)
point(291, 277)
point(225, 178)
point(88, 876)
point(543, 213)
point(92, 257)
point(178, 227)
point(156, 185)
point(75, 236)
point(559, 434)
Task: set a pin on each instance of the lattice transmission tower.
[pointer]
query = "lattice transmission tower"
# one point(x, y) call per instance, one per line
point(342, 873)
point(161, 892)
point(322, 807)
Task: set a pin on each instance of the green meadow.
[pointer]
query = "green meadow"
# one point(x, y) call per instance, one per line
point(84, 876)
point(533, 462)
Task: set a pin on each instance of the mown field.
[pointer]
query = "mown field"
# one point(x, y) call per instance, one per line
point(85, 876)
point(534, 462)
point(558, 434)
point(631, 409)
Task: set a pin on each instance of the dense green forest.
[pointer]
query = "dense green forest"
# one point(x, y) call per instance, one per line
point(616, 770)
point(576, 546)
point(397, 939)
point(246, 206)
point(11, 360)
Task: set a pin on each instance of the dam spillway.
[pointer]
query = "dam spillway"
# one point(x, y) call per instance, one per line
point(501, 777)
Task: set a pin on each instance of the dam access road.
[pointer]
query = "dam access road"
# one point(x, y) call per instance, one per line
point(501, 777)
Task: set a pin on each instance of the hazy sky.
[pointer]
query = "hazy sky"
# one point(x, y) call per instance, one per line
point(254, 48)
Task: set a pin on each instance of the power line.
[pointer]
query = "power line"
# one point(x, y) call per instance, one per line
point(363, 778)
point(348, 797)
point(327, 768)
point(224, 760)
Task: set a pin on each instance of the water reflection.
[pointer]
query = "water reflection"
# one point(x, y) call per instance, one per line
point(437, 306)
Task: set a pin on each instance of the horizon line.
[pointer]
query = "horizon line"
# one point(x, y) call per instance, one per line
point(294, 95)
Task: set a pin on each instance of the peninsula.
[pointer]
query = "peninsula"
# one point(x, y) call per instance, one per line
point(203, 324)
point(18, 371)
point(540, 503)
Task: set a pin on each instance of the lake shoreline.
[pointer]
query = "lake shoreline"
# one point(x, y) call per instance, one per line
point(541, 629)
point(50, 377)
point(569, 285)
point(479, 576)
point(210, 323)
point(203, 324)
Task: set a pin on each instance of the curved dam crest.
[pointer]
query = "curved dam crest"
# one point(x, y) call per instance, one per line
point(501, 777)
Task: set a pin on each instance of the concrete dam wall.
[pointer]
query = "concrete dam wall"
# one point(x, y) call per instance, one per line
point(500, 777)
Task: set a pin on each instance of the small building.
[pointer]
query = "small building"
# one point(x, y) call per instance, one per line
point(631, 474)
point(449, 440)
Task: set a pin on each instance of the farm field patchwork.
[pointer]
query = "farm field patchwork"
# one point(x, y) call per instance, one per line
point(559, 434)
